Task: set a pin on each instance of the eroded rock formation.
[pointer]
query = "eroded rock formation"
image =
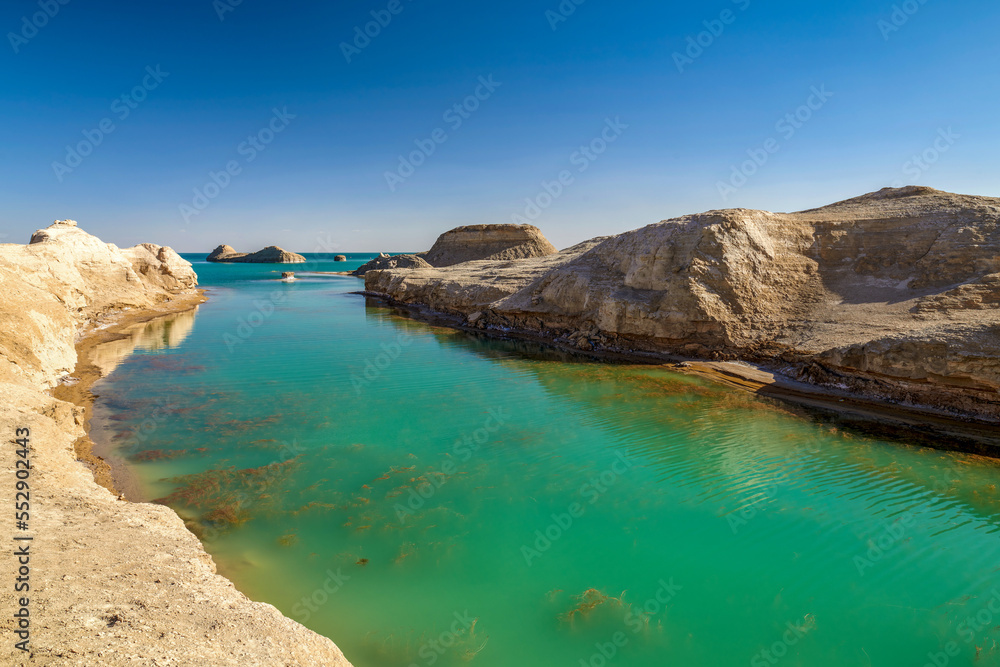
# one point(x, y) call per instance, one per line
point(394, 262)
point(269, 255)
point(112, 582)
point(493, 242)
point(894, 295)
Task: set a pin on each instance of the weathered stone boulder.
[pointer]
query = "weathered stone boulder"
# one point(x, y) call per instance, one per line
point(224, 253)
point(269, 255)
point(495, 242)
point(161, 265)
point(340, 258)
point(43, 235)
point(384, 261)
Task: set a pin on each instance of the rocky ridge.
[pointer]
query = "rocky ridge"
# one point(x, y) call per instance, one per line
point(269, 255)
point(893, 296)
point(112, 582)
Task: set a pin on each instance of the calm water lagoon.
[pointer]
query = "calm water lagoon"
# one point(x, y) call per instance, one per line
point(428, 497)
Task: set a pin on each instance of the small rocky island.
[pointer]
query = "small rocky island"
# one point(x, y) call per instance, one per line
point(269, 255)
point(470, 243)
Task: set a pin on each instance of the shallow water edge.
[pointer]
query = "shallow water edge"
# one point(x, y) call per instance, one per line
point(109, 471)
point(932, 428)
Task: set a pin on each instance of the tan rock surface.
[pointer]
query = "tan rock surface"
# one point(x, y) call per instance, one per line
point(112, 582)
point(391, 262)
point(272, 254)
point(893, 295)
point(488, 242)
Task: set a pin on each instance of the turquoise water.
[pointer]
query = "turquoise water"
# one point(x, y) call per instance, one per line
point(427, 497)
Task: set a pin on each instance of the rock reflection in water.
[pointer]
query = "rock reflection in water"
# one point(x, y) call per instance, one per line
point(161, 333)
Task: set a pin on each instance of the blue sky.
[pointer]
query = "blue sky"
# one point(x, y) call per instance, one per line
point(895, 80)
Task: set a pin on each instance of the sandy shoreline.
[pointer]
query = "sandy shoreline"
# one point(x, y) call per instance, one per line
point(926, 424)
point(112, 475)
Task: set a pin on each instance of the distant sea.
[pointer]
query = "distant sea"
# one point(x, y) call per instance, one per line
point(425, 496)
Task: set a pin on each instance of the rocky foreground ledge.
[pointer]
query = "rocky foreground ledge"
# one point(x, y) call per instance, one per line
point(111, 582)
point(893, 296)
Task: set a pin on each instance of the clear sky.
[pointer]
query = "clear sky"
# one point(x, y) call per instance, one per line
point(663, 119)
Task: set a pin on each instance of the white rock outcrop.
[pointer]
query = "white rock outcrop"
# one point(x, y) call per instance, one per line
point(112, 582)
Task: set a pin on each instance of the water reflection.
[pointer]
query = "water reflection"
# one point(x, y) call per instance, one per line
point(158, 334)
point(756, 443)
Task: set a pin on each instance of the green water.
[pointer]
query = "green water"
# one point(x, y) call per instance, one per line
point(385, 482)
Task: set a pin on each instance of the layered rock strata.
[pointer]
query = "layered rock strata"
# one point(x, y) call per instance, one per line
point(488, 242)
point(893, 296)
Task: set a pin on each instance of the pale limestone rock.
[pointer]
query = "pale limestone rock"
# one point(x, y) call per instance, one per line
point(494, 242)
point(269, 255)
point(384, 261)
point(852, 295)
point(115, 583)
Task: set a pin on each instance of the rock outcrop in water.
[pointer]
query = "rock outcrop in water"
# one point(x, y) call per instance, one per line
point(269, 255)
point(494, 242)
point(893, 296)
point(112, 582)
point(394, 262)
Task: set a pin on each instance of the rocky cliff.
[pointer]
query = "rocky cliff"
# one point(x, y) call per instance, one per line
point(894, 295)
point(112, 582)
point(269, 255)
point(491, 242)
